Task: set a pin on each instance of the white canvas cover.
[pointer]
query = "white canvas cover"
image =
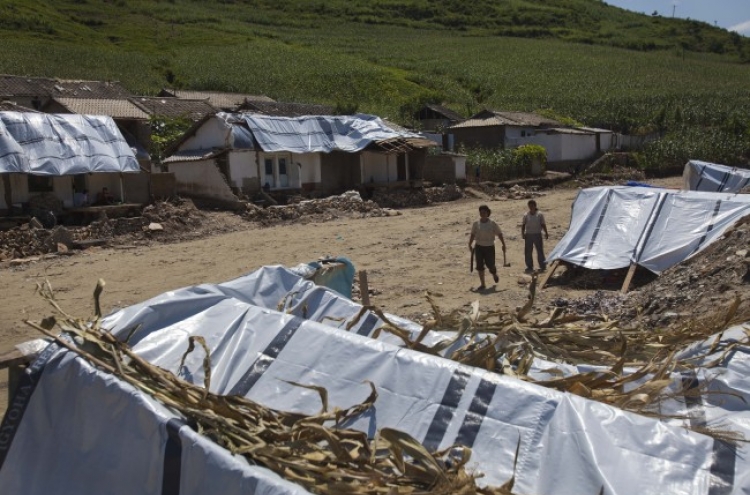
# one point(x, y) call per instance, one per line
point(62, 144)
point(612, 227)
point(705, 176)
point(72, 429)
point(320, 133)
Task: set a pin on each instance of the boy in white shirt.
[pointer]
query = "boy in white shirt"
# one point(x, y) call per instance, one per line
point(531, 231)
point(484, 231)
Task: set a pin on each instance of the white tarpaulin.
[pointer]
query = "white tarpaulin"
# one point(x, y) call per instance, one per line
point(316, 133)
point(62, 144)
point(73, 429)
point(705, 176)
point(612, 227)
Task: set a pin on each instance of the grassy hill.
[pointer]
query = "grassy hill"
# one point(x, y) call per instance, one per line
point(577, 59)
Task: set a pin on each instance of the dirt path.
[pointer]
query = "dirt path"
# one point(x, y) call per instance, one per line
point(405, 255)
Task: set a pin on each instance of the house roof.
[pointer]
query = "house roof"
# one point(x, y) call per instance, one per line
point(11, 85)
point(489, 118)
point(283, 109)
point(193, 155)
point(10, 106)
point(118, 109)
point(62, 144)
point(174, 107)
point(444, 111)
point(219, 100)
point(567, 130)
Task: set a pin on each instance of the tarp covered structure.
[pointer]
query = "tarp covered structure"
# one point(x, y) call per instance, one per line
point(319, 133)
point(614, 227)
point(74, 429)
point(712, 177)
point(62, 144)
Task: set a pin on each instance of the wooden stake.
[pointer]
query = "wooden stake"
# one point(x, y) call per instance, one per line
point(364, 289)
point(548, 274)
point(628, 278)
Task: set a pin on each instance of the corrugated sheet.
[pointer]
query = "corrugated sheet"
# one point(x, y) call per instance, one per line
point(488, 118)
point(281, 109)
point(119, 109)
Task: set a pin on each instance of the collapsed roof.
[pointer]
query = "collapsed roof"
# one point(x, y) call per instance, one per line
point(62, 144)
point(614, 227)
point(705, 176)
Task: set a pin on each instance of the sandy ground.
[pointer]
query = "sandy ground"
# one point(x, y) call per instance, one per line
point(405, 255)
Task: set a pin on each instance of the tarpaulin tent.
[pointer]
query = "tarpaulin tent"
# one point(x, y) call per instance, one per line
point(617, 227)
point(705, 176)
point(62, 144)
point(74, 429)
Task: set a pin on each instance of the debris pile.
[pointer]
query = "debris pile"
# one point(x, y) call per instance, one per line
point(406, 198)
point(25, 241)
point(349, 204)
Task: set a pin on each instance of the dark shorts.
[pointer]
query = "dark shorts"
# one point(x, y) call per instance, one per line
point(485, 255)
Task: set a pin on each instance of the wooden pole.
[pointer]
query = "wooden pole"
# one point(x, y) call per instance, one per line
point(548, 274)
point(364, 289)
point(628, 278)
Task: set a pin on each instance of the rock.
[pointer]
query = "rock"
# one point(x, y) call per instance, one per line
point(153, 226)
point(34, 223)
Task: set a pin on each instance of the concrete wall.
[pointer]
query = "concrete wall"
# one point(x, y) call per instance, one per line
point(484, 137)
point(339, 171)
point(214, 133)
point(163, 185)
point(445, 168)
point(242, 166)
point(201, 179)
point(379, 167)
point(137, 188)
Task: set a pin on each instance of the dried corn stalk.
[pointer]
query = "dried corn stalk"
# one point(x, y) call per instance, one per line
point(313, 451)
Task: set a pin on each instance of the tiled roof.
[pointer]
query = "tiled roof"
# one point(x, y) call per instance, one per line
point(193, 155)
point(45, 87)
point(174, 107)
point(9, 106)
point(223, 101)
point(446, 112)
point(489, 118)
point(118, 109)
point(280, 109)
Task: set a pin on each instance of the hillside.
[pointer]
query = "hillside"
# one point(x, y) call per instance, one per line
point(580, 59)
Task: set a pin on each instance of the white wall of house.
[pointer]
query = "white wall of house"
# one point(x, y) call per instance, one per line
point(62, 188)
point(460, 162)
point(564, 147)
point(242, 166)
point(379, 167)
point(309, 167)
point(214, 133)
point(201, 178)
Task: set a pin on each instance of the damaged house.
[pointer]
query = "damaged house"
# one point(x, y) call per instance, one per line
point(231, 154)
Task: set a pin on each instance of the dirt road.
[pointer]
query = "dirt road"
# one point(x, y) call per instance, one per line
point(404, 255)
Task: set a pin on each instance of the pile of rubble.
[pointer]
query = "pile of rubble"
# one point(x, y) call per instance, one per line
point(699, 287)
point(349, 204)
point(407, 198)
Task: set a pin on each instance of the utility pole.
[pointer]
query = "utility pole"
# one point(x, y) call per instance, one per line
point(674, 6)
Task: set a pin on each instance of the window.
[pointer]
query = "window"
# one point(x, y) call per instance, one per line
point(40, 183)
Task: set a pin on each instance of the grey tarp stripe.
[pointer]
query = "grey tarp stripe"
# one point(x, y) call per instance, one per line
point(476, 413)
point(724, 180)
point(446, 409)
point(269, 355)
point(700, 178)
point(724, 453)
point(21, 398)
point(717, 207)
point(172, 469)
point(598, 226)
point(370, 321)
point(646, 233)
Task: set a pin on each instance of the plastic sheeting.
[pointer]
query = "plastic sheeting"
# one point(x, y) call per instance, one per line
point(62, 144)
point(612, 227)
point(317, 133)
point(60, 436)
point(705, 176)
